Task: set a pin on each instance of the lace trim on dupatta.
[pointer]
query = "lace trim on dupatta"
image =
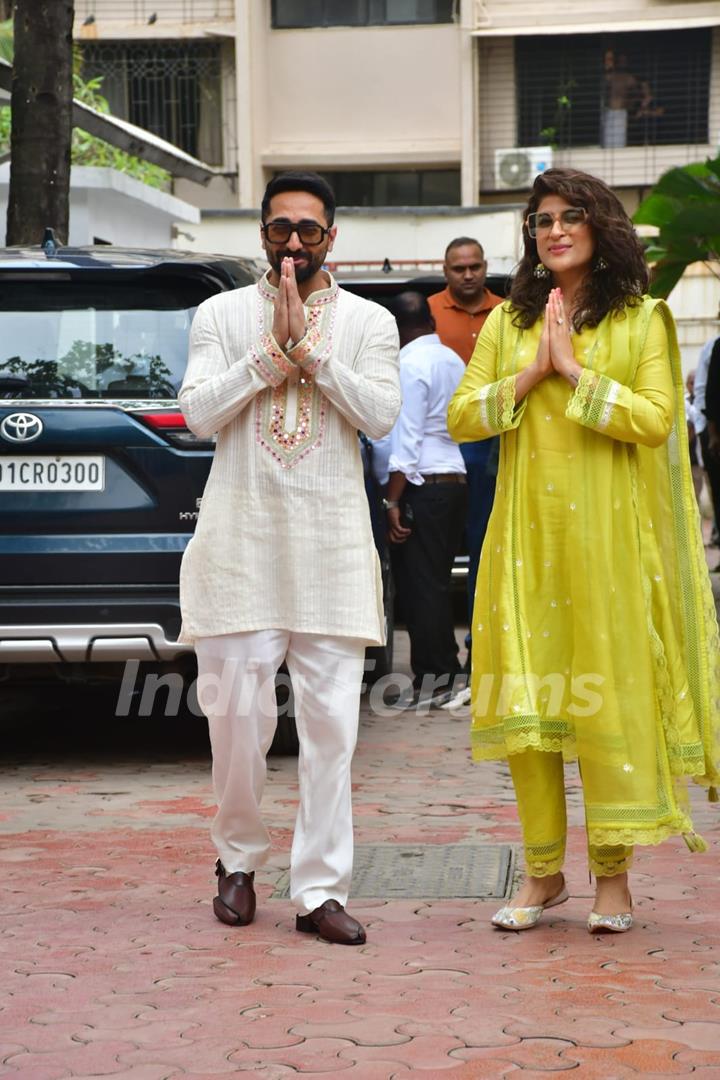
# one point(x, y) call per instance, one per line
point(623, 837)
point(698, 618)
point(516, 733)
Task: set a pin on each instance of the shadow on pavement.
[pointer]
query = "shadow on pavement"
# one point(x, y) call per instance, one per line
point(57, 721)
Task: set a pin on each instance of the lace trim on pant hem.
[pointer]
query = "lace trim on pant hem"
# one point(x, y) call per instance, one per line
point(544, 869)
point(609, 867)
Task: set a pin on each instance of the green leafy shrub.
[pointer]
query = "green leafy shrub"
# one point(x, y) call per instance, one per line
point(684, 206)
point(86, 149)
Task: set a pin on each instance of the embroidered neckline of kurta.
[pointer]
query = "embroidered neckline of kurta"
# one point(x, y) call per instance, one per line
point(289, 439)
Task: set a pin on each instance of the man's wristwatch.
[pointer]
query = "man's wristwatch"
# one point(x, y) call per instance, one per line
point(390, 504)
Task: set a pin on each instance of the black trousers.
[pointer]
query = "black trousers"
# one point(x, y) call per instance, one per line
point(422, 567)
point(712, 468)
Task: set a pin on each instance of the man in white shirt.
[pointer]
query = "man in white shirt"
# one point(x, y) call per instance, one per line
point(700, 384)
point(282, 566)
point(704, 433)
point(426, 498)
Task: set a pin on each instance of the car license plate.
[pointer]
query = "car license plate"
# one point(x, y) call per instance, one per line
point(52, 473)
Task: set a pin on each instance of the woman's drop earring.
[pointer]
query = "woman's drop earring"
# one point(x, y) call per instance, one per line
point(541, 271)
point(600, 264)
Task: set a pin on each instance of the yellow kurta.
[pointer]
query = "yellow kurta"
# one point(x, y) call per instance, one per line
point(594, 628)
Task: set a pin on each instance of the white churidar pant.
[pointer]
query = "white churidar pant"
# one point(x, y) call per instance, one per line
point(236, 679)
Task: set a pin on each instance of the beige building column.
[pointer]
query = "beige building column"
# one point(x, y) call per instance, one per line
point(249, 63)
point(469, 132)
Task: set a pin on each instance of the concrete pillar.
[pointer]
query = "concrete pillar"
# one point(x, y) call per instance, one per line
point(250, 34)
point(469, 163)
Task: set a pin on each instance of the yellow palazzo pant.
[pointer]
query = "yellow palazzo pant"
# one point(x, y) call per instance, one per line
point(539, 780)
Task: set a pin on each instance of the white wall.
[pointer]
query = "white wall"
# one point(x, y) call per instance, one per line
point(695, 303)
point(364, 97)
point(376, 93)
point(371, 237)
point(114, 207)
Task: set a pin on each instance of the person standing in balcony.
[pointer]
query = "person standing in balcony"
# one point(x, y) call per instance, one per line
point(622, 93)
point(460, 312)
point(595, 636)
point(282, 566)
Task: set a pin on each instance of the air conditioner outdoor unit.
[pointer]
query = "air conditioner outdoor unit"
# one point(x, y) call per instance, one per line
point(518, 167)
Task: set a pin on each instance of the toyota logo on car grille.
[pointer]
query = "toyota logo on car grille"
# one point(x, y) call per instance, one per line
point(21, 427)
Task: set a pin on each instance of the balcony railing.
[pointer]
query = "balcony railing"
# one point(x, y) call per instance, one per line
point(138, 12)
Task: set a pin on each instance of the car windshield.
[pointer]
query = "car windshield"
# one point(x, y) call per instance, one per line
point(105, 339)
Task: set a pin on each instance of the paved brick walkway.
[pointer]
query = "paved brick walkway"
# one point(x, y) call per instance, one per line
point(112, 963)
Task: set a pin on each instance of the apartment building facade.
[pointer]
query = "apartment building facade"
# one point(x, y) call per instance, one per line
point(448, 107)
point(412, 102)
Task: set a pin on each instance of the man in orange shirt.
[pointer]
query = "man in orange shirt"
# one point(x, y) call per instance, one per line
point(460, 312)
point(461, 309)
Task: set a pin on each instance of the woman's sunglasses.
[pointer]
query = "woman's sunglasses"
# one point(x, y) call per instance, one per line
point(543, 222)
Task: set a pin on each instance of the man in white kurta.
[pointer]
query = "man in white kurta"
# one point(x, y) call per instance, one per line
point(282, 566)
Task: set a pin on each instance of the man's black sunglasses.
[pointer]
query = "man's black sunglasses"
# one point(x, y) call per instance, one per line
point(309, 232)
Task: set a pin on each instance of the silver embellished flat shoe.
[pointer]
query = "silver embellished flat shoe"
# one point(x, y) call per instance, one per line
point(524, 918)
point(609, 924)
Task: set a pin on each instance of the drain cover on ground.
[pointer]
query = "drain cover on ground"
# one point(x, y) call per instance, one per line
point(427, 871)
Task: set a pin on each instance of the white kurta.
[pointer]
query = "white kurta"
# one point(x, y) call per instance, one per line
point(283, 539)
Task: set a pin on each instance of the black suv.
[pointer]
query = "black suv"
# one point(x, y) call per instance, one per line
point(100, 479)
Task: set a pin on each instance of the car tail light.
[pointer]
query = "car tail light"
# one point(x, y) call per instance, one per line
point(170, 423)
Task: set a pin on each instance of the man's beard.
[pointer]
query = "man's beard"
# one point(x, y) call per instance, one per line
point(314, 261)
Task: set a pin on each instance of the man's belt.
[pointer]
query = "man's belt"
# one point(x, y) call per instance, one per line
point(444, 478)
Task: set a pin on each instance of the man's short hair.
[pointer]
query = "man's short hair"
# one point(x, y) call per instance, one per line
point(411, 310)
point(300, 181)
point(464, 241)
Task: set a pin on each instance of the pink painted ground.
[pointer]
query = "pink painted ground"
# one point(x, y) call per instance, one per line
point(112, 963)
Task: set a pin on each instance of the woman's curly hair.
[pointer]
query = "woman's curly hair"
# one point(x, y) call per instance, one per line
point(622, 280)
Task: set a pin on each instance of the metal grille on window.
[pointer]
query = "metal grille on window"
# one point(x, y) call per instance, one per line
point(588, 99)
point(172, 90)
point(660, 86)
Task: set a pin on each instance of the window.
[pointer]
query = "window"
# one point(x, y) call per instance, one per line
point(402, 187)
point(92, 340)
point(613, 90)
point(287, 14)
point(171, 89)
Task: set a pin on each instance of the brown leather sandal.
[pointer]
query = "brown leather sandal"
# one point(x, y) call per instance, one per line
point(332, 923)
point(235, 903)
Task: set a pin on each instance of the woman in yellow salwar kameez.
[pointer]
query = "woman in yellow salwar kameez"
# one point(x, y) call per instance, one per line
point(594, 630)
